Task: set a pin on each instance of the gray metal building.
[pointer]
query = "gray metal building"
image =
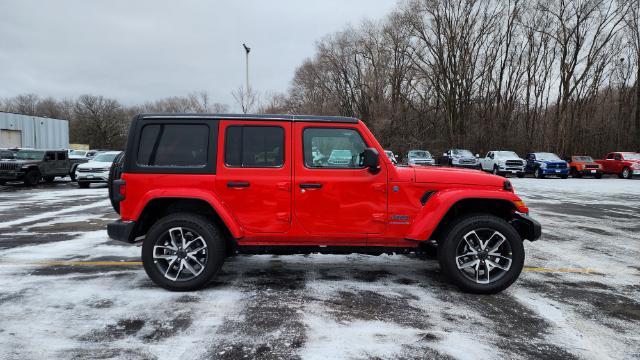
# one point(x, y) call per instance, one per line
point(33, 132)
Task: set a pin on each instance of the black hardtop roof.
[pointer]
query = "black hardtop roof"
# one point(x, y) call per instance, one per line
point(257, 117)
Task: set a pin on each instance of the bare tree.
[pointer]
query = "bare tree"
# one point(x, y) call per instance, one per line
point(247, 99)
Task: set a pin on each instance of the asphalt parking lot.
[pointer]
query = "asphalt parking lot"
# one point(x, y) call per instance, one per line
point(67, 291)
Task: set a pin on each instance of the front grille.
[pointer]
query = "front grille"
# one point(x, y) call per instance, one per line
point(514, 163)
point(557, 166)
point(591, 166)
point(467, 161)
point(85, 170)
point(9, 166)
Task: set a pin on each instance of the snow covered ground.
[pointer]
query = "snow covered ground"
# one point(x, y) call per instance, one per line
point(67, 291)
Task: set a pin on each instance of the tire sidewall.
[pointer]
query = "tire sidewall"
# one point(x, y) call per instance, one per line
point(447, 253)
point(213, 239)
point(626, 173)
point(32, 177)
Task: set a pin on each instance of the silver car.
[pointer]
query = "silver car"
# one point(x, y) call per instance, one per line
point(96, 170)
point(420, 158)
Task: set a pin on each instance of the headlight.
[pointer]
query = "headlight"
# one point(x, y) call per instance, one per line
point(543, 165)
point(635, 166)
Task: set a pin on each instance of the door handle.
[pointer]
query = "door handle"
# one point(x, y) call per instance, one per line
point(310, 185)
point(238, 184)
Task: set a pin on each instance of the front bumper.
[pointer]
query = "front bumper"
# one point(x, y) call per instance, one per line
point(467, 166)
point(588, 172)
point(92, 177)
point(121, 230)
point(527, 227)
point(548, 171)
point(511, 169)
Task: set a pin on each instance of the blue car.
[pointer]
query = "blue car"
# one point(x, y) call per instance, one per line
point(541, 164)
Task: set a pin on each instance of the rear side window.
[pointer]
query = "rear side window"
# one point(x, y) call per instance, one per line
point(62, 155)
point(173, 145)
point(254, 146)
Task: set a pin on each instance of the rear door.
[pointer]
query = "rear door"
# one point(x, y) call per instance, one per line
point(254, 173)
point(62, 165)
point(334, 196)
point(50, 164)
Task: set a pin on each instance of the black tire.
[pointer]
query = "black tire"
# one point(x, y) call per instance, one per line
point(521, 175)
point(575, 173)
point(448, 251)
point(598, 175)
point(83, 185)
point(538, 173)
point(49, 179)
point(72, 174)
point(495, 171)
point(201, 226)
point(32, 177)
point(115, 172)
point(626, 173)
point(564, 176)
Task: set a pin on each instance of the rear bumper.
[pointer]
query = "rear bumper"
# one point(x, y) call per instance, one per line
point(121, 230)
point(527, 227)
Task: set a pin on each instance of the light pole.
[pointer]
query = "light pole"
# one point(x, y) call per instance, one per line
point(247, 50)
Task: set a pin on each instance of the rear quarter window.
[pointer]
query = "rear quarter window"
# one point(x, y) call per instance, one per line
point(174, 145)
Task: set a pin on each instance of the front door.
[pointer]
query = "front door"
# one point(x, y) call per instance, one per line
point(333, 195)
point(253, 175)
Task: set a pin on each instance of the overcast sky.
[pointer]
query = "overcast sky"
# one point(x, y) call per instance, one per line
point(138, 51)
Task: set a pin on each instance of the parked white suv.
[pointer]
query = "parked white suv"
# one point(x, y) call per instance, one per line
point(503, 163)
point(96, 170)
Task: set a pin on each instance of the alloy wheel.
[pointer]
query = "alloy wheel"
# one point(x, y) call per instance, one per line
point(181, 254)
point(484, 255)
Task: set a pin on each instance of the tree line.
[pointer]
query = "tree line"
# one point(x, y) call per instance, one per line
point(552, 75)
point(556, 75)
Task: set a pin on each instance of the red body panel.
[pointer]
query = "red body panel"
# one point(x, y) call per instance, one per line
point(354, 207)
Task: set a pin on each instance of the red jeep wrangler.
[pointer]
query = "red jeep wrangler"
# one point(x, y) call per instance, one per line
point(194, 189)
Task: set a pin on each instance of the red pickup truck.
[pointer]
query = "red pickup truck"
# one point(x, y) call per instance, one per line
point(195, 189)
point(623, 164)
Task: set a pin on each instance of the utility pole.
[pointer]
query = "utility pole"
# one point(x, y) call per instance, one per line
point(247, 50)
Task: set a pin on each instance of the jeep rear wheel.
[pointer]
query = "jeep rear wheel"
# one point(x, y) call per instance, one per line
point(32, 177)
point(182, 252)
point(482, 254)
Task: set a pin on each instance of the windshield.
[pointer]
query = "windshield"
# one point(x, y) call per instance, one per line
point(6, 154)
point(583, 158)
point(105, 157)
point(460, 152)
point(631, 156)
point(420, 154)
point(506, 154)
point(30, 155)
point(546, 157)
point(78, 152)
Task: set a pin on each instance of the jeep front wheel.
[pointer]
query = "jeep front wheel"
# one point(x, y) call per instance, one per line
point(32, 177)
point(482, 254)
point(182, 252)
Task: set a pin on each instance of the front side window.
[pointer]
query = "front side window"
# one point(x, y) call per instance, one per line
point(173, 145)
point(50, 156)
point(254, 146)
point(332, 148)
point(62, 155)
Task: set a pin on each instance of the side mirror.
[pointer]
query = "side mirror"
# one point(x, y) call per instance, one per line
point(371, 159)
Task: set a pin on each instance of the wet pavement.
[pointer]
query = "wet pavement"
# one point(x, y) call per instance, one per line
point(67, 291)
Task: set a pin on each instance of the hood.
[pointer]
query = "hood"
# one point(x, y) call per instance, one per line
point(457, 176)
